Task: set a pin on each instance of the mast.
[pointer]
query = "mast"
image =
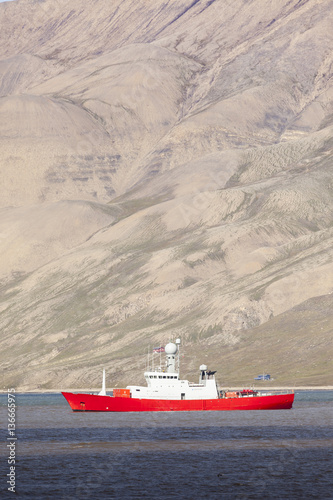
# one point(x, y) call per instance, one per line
point(103, 391)
point(178, 348)
point(171, 351)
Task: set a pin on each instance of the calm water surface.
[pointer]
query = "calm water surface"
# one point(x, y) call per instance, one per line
point(206, 455)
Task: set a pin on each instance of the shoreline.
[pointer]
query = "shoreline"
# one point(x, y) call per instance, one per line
point(231, 388)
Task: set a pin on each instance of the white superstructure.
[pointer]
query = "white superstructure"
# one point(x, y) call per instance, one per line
point(165, 383)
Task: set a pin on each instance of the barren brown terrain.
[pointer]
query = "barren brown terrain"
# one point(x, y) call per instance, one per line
point(166, 171)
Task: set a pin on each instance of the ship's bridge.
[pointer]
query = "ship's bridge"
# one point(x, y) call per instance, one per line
point(158, 377)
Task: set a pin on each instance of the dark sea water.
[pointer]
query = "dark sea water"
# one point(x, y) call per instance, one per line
point(191, 455)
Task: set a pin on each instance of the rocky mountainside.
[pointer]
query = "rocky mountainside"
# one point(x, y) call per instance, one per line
point(166, 171)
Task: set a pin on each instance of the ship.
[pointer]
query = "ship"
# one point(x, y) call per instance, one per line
point(166, 391)
point(264, 376)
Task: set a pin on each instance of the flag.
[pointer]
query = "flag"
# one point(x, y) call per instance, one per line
point(158, 349)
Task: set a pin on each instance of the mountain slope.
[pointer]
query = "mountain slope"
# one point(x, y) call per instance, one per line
point(166, 170)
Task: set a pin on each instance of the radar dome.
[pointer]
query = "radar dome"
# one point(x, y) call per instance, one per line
point(203, 368)
point(171, 348)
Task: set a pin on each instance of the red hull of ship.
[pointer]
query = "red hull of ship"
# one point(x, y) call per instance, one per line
point(92, 402)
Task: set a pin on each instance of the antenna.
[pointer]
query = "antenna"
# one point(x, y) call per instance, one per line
point(178, 345)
